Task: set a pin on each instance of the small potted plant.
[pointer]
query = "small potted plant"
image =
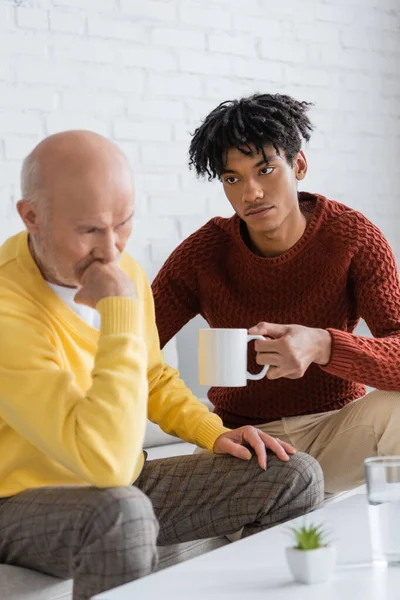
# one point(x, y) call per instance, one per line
point(312, 559)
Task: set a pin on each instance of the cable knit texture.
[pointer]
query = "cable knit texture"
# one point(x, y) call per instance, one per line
point(341, 270)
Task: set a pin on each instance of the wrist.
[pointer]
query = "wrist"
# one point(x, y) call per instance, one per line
point(323, 347)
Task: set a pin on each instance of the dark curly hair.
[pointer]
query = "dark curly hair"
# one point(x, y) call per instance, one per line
point(246, 124)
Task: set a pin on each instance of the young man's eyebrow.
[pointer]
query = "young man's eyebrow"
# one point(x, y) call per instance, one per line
point(263, 161)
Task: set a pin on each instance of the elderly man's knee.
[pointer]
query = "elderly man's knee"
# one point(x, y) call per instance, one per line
point(309, 475)
point(125, 518)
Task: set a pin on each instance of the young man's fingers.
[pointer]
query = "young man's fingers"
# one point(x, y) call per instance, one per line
point(268, 358)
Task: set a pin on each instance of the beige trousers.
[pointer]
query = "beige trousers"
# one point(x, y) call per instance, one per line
point(340, 440)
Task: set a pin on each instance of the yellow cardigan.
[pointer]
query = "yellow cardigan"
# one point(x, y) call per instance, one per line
point(74, 400)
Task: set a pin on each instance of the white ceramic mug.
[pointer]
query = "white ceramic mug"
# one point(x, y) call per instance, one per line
point(223, 357)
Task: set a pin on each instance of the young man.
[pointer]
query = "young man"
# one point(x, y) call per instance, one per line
point(80, 369)
point(301, 270)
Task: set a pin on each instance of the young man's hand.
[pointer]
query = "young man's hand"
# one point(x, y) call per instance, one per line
point(290, 349)
point(234, 442)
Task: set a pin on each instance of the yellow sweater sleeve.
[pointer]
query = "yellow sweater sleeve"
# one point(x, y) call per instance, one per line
point(97, 435)
point(171, 404)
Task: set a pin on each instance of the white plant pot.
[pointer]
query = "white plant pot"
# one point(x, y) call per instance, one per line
point(311, 566)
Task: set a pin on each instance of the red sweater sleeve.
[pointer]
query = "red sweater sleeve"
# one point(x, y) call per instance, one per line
point(175, 290)
point(374, 280)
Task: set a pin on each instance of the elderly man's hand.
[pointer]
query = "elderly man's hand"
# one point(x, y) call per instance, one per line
point(234, 442)
point(100, 281)
point(290, 349)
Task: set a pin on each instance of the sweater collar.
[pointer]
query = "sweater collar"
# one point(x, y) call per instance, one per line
point(314, 203)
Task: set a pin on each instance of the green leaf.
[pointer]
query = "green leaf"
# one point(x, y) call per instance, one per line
point(308, 537)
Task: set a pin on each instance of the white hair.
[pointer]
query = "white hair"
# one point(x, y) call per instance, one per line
point(31, 187)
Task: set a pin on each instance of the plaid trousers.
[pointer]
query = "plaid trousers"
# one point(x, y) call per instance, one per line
point(103, 538)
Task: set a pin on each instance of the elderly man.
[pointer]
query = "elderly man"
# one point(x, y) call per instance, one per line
point(80, 370)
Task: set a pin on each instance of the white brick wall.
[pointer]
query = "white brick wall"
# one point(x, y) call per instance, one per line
point(144, 72)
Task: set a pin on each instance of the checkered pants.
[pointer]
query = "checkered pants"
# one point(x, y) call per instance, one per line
point(103, 538)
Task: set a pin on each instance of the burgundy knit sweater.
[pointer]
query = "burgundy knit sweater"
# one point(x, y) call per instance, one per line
point(340, 270)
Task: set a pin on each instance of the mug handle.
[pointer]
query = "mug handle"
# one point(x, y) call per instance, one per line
point(264, 371)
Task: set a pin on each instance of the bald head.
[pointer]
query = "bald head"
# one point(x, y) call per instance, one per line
point(67, 156)
point(77, 201)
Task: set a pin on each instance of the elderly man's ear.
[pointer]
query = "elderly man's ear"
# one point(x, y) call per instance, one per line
point(29, 215)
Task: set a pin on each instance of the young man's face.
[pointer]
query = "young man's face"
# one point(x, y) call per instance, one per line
point(263, 194)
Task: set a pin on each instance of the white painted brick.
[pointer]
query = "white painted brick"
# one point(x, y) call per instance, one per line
point(373, 62)
point(336, 14)
point(182, 132)
point(156, 110)
point(251, 6)
point(9, 175)
point(188, 225)
point(364, 39)
point(125, 129)
point(32, 18)
point(151, 9)
point(224, 88)
point(17, 147)
point(19, 122)
point(306, 76)
point(98, 5)
point(6, 16)
point(120, 29)
point(182, 85)
point(114, 78)
point(292, 52)
point(219, 206)
point(378, 19)
point(23, 97)
point(88, 50)
point(45, 71)
point(257, 26)
point(242, 45)
point(324, 33)
point(98, 104)
point(161, 249)
point(131, 151)
point(172, 154)
point(155, 183)
point(147, 57)
point(152, 227)
point(23, 42)
point(197, 110)
point(203, 15)
point(289, 10)
point(360, 82)
point(390, 86)
point(140, 252)
point(205, 62)
point(66, 21)
point(257, 69)
point(177, 38)
point(177, 204)
point(61, 121)
point(5, 70)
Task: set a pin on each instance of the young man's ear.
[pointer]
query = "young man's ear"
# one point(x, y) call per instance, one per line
point(29, 214)
point(300, 165)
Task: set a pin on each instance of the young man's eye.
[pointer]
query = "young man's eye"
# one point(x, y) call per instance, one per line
point(231, 180)
point(266, 170)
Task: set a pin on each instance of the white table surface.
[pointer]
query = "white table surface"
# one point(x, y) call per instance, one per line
point(255, 567)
